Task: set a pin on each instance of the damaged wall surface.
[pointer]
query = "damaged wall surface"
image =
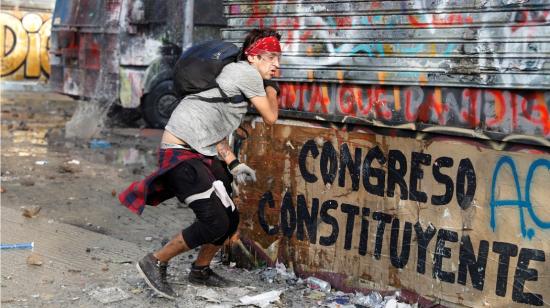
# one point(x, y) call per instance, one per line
point(449, 219)
point(25, 28)
point(389, 170)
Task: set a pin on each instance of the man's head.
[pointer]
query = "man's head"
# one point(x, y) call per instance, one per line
point(262, 50)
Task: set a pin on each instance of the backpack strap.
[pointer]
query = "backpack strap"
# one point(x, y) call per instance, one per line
point(224, 99)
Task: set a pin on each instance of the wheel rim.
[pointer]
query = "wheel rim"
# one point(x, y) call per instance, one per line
point(166, 104)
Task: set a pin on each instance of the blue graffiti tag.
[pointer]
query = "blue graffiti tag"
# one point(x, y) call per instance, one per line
point(519, 202)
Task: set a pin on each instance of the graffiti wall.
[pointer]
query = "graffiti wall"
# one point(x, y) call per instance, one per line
point(489, 114)
point(494, 43)
point(24, 44)
point(448, 219)
point(473, 68)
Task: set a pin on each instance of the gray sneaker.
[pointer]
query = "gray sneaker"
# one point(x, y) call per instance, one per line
point(154, 273)
point(206, 276)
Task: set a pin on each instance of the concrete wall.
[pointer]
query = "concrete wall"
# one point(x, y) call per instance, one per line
point(24, 40)
point(413, 150)
point(447, 219)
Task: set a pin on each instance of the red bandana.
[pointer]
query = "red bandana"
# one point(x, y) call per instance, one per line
point(265, 44)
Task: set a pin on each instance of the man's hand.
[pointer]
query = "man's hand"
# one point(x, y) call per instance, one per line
point(242, 172)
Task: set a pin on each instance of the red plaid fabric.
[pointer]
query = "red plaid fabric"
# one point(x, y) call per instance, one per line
point(151, 190)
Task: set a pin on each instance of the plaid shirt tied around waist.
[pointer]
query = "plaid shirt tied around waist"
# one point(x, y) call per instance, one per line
point(151, 190)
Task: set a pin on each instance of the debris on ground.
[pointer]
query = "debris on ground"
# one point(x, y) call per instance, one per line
point(209, 295)
point(27, 182)
point(315, 283)
point(109, 295)
point(261, 300)
point(31, 212)
point(18, 246)
point(68, 167)
point(99, 144)
point(373, 299)
point(34, 259)
point(41, 162)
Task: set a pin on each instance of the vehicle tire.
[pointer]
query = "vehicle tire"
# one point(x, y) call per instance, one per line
point(158, 105)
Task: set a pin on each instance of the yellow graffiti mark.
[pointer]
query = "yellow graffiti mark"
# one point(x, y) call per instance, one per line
point(13, 43)
point(423, 79)
point(397, 98)
point(381, 77)
point(32, 23)
point(340, 76)
point(309, 51)
point(388, 49)
point(24, 41)
point(433, 50)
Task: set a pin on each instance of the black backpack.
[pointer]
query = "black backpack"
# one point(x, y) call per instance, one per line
point(197, 68)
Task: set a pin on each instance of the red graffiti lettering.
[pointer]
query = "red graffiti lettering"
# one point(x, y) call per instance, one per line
point(319, 96)
point(409, 116)
point(537, 107)
point(500, 108)
point(348, 98)
point(287, 96)
point(470, 114)
point(377, 98)
point(259, 11)
point(530, 18)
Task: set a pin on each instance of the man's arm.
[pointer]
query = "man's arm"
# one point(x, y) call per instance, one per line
point(224, 151)
point(267, 106)
point(241, 172)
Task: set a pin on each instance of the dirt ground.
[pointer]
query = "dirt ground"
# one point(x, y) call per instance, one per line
point(85, 242)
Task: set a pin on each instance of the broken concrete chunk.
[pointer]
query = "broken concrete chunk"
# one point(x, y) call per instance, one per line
point(34, 259)
point(109, 295)
point(31, 212)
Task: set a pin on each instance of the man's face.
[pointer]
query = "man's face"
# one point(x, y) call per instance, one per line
point(266, 63)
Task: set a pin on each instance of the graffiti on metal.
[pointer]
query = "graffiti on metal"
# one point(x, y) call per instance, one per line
point(448, 219)
point(511, 115)
point(24, 45)
point(501, 44)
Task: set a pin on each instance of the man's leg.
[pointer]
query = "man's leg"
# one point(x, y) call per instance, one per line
point(173, 248)
point(206, 254)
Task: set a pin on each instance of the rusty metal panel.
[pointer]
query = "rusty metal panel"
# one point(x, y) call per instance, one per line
point(451, 220)
point(500, 44)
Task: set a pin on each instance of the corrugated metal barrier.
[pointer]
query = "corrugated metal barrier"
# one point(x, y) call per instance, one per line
point(400, 62)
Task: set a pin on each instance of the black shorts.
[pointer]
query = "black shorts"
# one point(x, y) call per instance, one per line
point(214, 222)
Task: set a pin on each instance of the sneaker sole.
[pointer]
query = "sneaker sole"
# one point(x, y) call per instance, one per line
point(151, 285)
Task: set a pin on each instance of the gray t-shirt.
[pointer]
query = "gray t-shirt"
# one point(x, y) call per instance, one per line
point(202, 124)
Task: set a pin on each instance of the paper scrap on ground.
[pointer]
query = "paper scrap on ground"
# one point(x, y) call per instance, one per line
point(261, 300)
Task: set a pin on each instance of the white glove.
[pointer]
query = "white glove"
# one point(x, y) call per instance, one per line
point(242, 173)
